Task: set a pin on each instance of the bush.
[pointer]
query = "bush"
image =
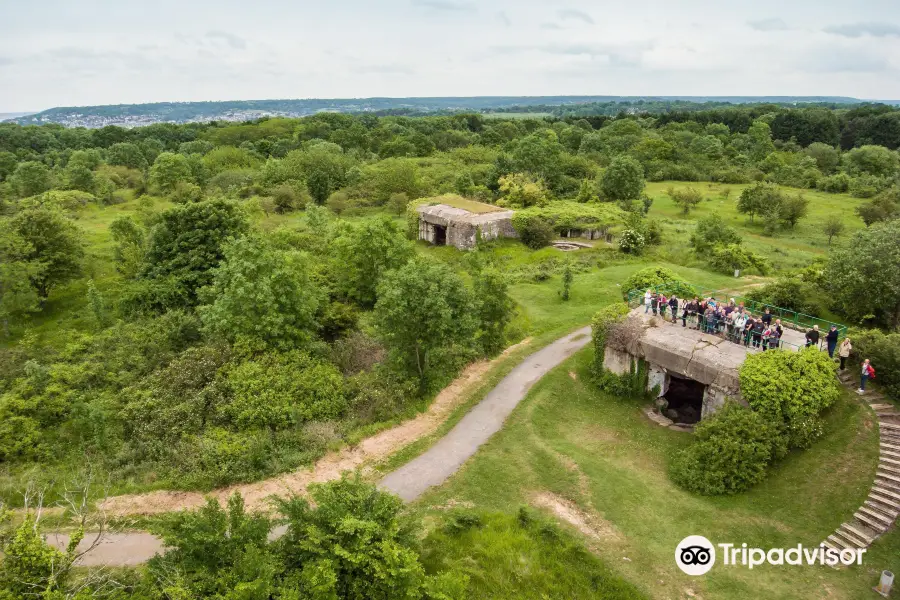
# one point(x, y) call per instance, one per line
point(661, 277)
point(536, 233)
point(867, 186)
point(836, 184)
point(788, 292)
point(726, 258)
point(632, 242)
point(883, 349)
point(791, 389)
point(731, 453)
point(713, 230)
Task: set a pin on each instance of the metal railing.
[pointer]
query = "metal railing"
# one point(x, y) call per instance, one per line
point(789, 319)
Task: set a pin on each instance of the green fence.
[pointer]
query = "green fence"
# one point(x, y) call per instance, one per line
point(789, 318)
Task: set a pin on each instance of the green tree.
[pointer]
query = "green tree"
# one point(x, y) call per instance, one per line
point(731, 452)
point(712, 230)
point(31, 178)
point(586, 191)
point(189, 241)
point(168, 170)
point(130, 245)
point(97, 303)
point(364, 253)
point(827, 157)
point(277, 391)
point(78, 177)
point(423, 307)
point(398, 203)
point(55, 242)
point(261, 297)
point(863, 278)
point(833, 227)
point(759, 199)
point(567, 278)
point(872, 160)
point(687, 198)
point(338, 202)
point(126, 154)
point(521, 190)
point(790, 390)
point(793, 208)
point(883, 207)
point(494, 308)
point(18, 270)
point(623, 181)
point(356, 544)
point(8, 162)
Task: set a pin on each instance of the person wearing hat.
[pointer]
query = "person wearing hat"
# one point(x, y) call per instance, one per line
point(831, 340)
point(812, 337)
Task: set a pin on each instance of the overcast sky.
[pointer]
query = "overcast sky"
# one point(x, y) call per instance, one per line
point(65, 53)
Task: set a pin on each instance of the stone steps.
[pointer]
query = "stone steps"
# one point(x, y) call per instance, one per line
point(882, 506)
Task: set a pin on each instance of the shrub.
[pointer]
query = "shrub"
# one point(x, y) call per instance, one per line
point(712, 230)
point(726, 258)
point(788, 292)
point(632, 242)
point(836, 184)
point(661, 277)
point(732, 451)
point(791, 389)
point(601, 325)
point(280, 390)
point(867, 186)
point(536, 232)
point(883, 349)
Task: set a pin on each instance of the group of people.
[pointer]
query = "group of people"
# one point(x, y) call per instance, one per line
point(733, 320)
point(738, 324)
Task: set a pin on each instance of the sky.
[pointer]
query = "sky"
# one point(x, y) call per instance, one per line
point(64, 53)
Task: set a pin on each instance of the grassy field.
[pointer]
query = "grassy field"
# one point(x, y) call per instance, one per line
point(472, 206)
point(787, 249)
point(602, 455)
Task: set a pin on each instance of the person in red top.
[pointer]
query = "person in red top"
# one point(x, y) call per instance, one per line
point(867, 373)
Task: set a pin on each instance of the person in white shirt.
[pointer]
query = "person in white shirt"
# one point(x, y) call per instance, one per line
point(647, 296)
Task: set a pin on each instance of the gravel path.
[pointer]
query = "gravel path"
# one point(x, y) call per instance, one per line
point(410, 481)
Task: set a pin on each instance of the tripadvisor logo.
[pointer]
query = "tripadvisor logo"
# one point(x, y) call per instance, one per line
point(696, 555)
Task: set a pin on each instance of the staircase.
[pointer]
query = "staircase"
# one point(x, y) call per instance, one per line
point(882, 506)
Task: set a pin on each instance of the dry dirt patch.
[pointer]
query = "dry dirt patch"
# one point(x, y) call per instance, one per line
point(372, 449)
point(590, 524)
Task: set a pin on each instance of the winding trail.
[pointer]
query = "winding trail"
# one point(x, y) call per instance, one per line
point(409, 482)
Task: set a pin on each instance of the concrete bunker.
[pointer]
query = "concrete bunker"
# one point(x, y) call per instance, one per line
point(444, 224)
point(692, 373)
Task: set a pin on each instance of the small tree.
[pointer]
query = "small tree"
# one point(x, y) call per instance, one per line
point(494, 308)
point(759, 198)
point(687, 198)
point(55, 242)
point(398, 202)
point(338, 202)
point(365, 252)
point(19, 269)
point(97, 304)
point(586, 191)
point(726, 194)
point(712, 230)
point(567, 278)
point(623, 181)
point(261, 296)
point(423, 307)
point(793, 208)
point(833, 227)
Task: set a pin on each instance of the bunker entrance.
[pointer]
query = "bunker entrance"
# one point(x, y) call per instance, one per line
point(685, 398)
point(440, 235)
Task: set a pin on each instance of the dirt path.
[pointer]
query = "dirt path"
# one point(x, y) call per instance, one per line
point(369, 450)
point(409, 481)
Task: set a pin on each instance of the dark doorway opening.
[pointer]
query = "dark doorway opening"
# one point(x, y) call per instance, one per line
point(440, 235)
point(685, 398)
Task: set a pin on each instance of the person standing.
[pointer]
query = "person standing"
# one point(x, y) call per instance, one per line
point(689, 309)
point(812, 337)
point(844, 351)
point(739, 322)
point(647, 296)
point(867, 373)
point(767, 318)
point(831, 340)
point(663, 303)
point(779, 331)
point(673, 305)
point(654, 302)
point(748, 329)
point(758, 327)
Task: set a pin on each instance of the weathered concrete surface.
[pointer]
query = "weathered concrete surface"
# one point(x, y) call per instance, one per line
point(447, 456)
point(409, 481)
point(462, 226)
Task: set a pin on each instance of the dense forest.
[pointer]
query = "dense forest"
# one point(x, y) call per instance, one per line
point(204, 328)
point(194, 305)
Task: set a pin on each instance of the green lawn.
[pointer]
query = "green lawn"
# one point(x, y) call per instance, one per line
point(787, 249)
point(603, 455)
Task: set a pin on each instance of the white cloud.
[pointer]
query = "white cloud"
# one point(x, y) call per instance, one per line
point(855, 30)
point(773, 24)
point(578, 15)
